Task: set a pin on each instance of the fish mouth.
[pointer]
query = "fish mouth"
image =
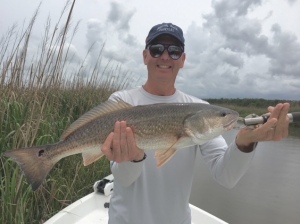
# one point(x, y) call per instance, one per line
point(230, 125)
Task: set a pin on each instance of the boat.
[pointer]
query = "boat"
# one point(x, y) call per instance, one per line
point(93, 208)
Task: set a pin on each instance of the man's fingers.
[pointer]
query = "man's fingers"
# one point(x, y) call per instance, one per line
point(116, 142)
point(281, 129)
point(276, 127)
point(123, 140)
point(270, 109)
point(131, 143)
point(283, 119)
point(120, 148)
point(106, 147)
point(120, 145)
point(276, 112)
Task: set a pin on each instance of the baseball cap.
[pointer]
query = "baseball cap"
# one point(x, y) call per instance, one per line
point(165, 28)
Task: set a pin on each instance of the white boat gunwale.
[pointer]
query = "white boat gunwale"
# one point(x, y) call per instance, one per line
point(93, 208)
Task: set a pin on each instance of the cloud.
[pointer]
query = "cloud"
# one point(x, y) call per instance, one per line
point(121, 48)
point(295, 84)
point(232, 58)
point(95, 31)
point(285, 53)
point(95, 40)
point(115, 12)
point(229, 56)
point(292, 1)
point(119, 16)
point(234, 7)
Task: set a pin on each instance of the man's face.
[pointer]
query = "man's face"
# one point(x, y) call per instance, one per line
point(163, 67)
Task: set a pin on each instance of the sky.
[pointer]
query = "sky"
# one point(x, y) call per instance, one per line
point(234, 48)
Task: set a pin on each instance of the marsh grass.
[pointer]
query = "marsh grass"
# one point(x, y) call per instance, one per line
point(40, 97)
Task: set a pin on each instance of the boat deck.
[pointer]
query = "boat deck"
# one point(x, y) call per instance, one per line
point(90, 209)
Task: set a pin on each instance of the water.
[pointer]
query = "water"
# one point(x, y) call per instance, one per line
point(268, 193)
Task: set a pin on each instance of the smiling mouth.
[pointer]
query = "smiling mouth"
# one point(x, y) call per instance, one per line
point(164, 66)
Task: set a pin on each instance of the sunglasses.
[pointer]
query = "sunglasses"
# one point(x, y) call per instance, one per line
point(156, 50)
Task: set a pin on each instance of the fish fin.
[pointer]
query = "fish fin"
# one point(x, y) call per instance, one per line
point(91, 155)
point(33, 163)
point(98, 111)
point(162, 157)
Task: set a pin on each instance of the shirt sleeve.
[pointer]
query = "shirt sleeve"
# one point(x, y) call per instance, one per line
point(127, 172)
point(226, 163)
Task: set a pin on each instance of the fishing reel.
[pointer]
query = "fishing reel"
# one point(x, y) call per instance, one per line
point(254, 120)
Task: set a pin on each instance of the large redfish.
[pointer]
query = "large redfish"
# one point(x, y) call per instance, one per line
point(161, 127)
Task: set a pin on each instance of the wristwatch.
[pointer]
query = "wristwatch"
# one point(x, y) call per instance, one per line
point(137, 161)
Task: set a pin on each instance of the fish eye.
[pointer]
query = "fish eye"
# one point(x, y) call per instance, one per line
point(223, 114)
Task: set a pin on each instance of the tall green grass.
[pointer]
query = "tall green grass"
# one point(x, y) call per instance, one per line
point(40, 97)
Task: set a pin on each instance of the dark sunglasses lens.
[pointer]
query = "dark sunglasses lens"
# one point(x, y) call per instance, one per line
point(156, 50)
point(175, 52)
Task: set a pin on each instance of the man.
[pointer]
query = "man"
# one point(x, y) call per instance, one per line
point(144, 194)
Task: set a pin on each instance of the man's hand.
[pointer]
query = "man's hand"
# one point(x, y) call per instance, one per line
point(120, 145)
point(275, 129)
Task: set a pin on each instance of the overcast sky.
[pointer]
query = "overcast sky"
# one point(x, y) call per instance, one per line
point(235, 48)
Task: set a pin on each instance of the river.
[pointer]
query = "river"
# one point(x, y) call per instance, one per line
point(268, 193)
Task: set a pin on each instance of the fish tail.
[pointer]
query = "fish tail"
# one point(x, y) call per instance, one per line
point(34, 164)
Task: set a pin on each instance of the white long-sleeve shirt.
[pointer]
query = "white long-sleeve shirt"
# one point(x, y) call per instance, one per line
point(145, 194)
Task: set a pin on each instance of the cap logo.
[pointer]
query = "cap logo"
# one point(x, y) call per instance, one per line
point(166, 27)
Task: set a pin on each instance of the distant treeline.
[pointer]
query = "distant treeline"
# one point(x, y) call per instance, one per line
point(248, 102)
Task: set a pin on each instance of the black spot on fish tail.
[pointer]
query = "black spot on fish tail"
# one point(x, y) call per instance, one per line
point(41, 152)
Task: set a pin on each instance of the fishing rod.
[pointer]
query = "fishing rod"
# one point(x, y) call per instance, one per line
point(294, 117)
